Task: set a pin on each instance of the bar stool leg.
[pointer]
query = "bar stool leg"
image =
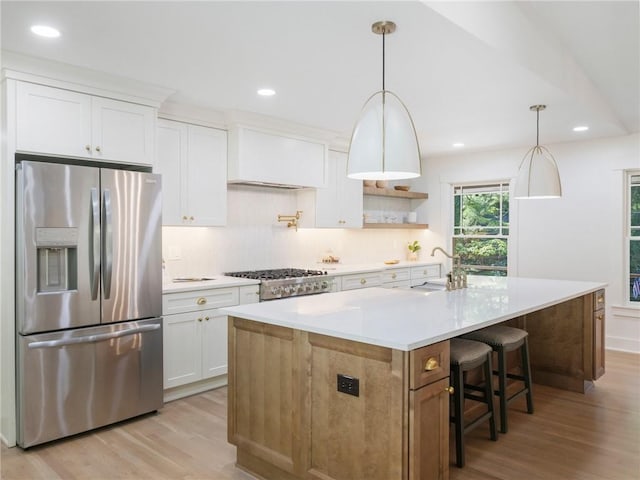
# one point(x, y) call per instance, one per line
point(488, 393)
point(458, 408)
point(526, 372)
point(502, 388)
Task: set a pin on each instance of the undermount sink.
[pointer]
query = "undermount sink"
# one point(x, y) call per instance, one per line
point(432, 286)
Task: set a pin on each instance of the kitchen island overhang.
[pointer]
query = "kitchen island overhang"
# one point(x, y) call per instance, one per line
point(289, 419)
point(406, 319)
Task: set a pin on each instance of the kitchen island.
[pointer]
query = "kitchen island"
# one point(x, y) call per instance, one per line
point(355, 385)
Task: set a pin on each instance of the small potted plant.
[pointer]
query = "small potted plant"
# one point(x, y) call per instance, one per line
point(414, 248)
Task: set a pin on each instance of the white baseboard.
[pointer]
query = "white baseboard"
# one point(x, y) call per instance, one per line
point(194, 388)
point(623, 344)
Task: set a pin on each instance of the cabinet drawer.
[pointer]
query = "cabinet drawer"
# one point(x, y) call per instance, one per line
point(249, 294)
point(420, 274)
point(199, 300)
point(362, 280)
point(428, 364)
point(598, 300)
point(396, 275)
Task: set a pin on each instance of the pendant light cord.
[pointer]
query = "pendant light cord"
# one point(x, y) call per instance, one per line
point(537, 127)
point(383, 35)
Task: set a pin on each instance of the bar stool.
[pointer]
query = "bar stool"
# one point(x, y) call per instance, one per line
point(466, 355)
point(502, 340)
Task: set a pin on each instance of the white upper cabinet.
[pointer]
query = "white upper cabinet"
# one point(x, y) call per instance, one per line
point(122, 131)
point(193, 163)
point(339, 204)
point(61, 122)
point(273, 159)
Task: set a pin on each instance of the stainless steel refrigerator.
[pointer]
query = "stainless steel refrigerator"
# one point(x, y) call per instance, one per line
point(89, 298)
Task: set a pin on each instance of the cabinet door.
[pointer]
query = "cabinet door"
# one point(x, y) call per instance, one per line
point(182, 348)
point(350, 197)
point(206, 175)
point(122, 131)
point(361, 280)
point(429, 432)
point(172, 152)
point(53, 121)
point(339, 204)
point(214, 344)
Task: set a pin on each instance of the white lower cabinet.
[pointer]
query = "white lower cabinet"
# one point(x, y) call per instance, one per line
point(361, 280)
point(189, 344)
point(396, 277)
point(421, 274)
point(195, 338)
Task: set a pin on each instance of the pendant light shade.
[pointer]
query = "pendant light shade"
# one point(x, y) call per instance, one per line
point(538, 175)
point(384, 144)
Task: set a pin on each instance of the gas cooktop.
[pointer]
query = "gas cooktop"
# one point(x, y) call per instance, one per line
point(287, 282)
point(277, 273)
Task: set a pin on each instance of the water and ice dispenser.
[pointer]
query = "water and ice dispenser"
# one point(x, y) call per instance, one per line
point(57, 259)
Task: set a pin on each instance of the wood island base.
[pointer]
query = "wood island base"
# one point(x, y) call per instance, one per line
point(289, 420)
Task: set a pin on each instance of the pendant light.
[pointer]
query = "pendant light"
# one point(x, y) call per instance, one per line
point(384, 144)
point(538, 176)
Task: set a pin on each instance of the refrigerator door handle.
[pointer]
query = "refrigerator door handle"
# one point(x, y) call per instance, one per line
point(93, 338)
point(94, 250)
point(107, 244)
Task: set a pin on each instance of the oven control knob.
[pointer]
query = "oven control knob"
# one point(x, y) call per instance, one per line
point(308, 287)
point(274, 290)
point(325, 285)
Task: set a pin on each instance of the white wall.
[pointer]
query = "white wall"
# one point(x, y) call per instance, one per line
point(579, 236)
point(254, 239)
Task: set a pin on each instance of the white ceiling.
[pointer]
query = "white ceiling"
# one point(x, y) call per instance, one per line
point(467, 71)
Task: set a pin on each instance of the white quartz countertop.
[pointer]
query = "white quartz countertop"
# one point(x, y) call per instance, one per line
point(215, 281)
point(406, 319)
point(332, 269)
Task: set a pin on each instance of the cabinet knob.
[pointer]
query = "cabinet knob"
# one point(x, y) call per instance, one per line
point(393, 276)
point(363, 281)
point(201, 301)
point(206, 318)
point(87, 148)
point(191, 218)
point(199, 319)
point(431, 364)
point(98, 149)
point(450, 390)
point(184, 217)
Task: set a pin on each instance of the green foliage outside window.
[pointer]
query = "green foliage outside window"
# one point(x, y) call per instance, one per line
point(481, 228)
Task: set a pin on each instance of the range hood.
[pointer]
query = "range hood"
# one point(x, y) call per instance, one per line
point(270, 159)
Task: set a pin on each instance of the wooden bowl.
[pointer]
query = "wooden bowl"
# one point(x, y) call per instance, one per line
point(369, 183)
point(381, 183)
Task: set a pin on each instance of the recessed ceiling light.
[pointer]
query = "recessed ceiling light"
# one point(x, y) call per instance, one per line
point(580, 128)
point(458, 145)
point(45, 31)
point(266, 92)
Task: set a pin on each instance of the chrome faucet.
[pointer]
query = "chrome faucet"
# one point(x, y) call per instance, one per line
point(457, 278)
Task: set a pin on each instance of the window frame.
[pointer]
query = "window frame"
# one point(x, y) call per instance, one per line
point(503, 186)
point(628, 238)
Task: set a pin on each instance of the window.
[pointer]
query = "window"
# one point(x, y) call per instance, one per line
point(633, 235)
point(481, 227)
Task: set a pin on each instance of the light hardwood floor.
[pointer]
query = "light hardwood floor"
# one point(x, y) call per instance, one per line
point(569, 437)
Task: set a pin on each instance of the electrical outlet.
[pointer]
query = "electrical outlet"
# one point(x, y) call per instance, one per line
point(349, 385)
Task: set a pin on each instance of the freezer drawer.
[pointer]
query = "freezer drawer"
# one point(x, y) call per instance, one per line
point(81, 379)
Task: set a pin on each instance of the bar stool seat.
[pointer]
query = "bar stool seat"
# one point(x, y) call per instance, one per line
point(504, 339)
point(466, 355)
